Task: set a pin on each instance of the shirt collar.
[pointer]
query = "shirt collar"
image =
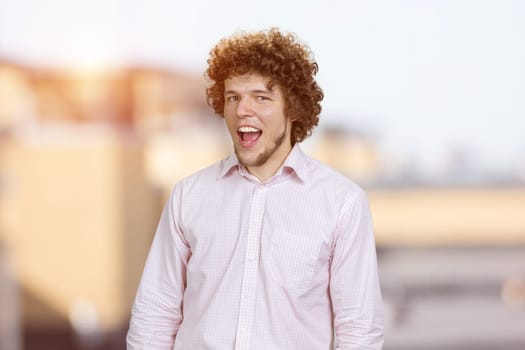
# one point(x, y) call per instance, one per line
point(296, 162)
point(228, 165)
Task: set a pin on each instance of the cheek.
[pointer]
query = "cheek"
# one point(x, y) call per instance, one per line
point(230, 126)
point(268, 117)
point(226, 112)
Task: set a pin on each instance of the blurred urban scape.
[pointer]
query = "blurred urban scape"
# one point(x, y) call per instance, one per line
point(88, 157)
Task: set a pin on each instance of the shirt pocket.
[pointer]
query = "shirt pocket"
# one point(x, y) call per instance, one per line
point(292, 260)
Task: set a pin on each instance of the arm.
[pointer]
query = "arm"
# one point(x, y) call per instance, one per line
point(354, 282)
point(156, 313)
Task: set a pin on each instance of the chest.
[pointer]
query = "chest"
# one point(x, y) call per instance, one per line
point(271, 218)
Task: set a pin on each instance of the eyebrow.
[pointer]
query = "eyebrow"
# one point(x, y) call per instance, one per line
point(256, 91)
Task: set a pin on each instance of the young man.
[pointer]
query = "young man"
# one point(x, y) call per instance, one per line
point(267, 249)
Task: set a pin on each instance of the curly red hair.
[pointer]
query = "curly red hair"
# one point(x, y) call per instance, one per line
point(277, 56)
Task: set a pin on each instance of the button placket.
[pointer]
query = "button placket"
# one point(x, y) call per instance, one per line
point(250, 271)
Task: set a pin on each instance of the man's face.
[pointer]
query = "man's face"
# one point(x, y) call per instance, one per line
point(254, 114)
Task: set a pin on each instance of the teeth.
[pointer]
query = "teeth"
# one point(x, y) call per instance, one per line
point(248, 129)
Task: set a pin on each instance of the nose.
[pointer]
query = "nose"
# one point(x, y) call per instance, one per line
point(244, 108)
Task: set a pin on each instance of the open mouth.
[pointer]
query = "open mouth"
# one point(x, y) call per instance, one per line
point(249, 135)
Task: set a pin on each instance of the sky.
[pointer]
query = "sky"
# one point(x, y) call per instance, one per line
point(425, 78)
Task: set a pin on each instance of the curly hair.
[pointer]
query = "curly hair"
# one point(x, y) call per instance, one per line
point(277, 56)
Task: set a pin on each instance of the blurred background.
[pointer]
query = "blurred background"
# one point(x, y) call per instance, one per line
point(102, 110)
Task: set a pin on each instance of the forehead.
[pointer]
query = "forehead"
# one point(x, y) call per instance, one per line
point(248, 82)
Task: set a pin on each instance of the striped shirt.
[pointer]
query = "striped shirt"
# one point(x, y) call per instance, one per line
point(237, 263)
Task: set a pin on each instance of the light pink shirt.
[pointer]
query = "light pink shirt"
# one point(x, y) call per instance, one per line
point(240, 264)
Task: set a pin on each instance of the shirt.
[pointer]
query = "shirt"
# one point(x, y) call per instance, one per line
point(241, 264)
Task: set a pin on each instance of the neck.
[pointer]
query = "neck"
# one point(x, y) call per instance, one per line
point(265, 171)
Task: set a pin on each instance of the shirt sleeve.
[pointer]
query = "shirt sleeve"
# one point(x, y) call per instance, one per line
point(354, 282)
point(157, 311)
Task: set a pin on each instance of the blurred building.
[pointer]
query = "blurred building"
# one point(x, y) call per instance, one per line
point(142, 98)
point(351, 152)
point(81, 158)
point(17, 96)
point(87, 159)
point(10, 323)
point(448, 216)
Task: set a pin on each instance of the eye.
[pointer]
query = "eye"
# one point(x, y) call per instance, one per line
point(231, 98)
point(261, 98)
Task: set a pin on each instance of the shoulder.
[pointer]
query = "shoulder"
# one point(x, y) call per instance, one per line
point(332, 180)
point(201, 180)
point(339, 192)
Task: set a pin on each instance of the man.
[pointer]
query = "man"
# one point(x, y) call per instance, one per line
point(267, 249)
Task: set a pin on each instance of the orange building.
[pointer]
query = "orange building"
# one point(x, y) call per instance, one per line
point(79, 153)
point(86, 162)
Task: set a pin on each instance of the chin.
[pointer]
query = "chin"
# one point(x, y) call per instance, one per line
point(244, 156)
point(247, 161)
